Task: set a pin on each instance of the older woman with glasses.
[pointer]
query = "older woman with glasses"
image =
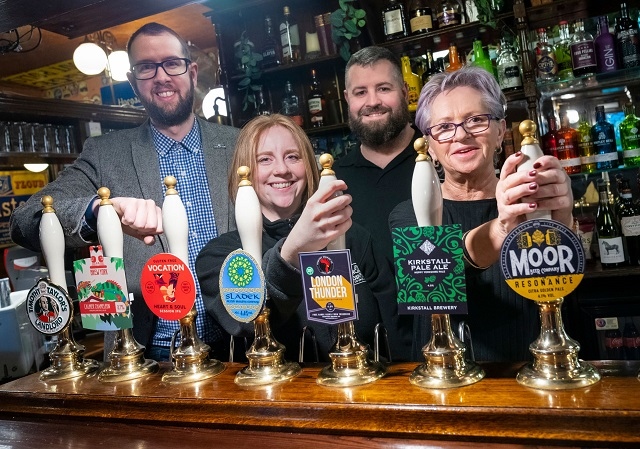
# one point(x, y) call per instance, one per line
point(462, 115)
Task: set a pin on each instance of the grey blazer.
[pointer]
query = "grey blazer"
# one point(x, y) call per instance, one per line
point(127, 163)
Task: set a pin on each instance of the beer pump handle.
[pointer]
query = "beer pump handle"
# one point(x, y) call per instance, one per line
point(174, 221)
point(52, 242)
point(109, 227)
point(531, 151)
point(426, 194)
point(328, 175)
point(249, 216)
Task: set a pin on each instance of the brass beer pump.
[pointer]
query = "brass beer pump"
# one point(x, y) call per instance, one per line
point(350, 364)
point(191, 362)
point(446, 365)
point(126, 360)
point(555, 355)
point(67, 356)
point(266, 354)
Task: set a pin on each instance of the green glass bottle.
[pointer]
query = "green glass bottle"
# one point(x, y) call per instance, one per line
point(585, 144)
point(630, 136)
point(480, 58)
point(563, 54)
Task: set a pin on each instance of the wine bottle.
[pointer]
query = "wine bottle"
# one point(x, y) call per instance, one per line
point(605, 43)
point(271, 49)
point(291, 104)
point(429, 68)
point(393, 20)
point(604, 142)
point(630, 136)
point(630, 222)
point(316, 103)
point(583, 51)
point(413, 84)
point(608, 231)
point(546, 63)
point(585, 144)
point(628, 39)
point(420, 17)
point(568, 154)
point(289, 38)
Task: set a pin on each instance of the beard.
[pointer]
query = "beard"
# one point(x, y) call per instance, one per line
point(377, 134)
point(170, 117)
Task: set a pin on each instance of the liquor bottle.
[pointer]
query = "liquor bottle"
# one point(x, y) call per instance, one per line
point(480, 58)
point(261, 104)
point(568, 154)
point(449, 13)
point(550, 139)
point(420, 17)
point(413, 83)
point(289, 38)
point(605, 43)
point(508, 67)
point(631, 341)
point(630, 136)
point(546, 62)
point(393, 20)
point(585, 145)
point(429, 67)
point(291, 104)
point(563, 52)
point(583, 51)
point(604, 142)
point(628, 39)
point(629, 214)
point(271, 49)
point(439, 66)
point(316, 102)
point(454, 59)
point(609, 232)
point(614, 344)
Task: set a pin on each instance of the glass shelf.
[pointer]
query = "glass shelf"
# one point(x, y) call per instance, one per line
point(610, 80)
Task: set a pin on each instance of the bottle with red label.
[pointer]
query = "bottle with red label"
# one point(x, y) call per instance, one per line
point(631, 341)
point(614, 344)
point(568, 152)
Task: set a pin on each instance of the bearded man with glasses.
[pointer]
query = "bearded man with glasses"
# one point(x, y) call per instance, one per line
point(132, 164)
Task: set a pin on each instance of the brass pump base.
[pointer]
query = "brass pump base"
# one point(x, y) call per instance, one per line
point(555, 355)
point(349, 363)
point(66, 360)
point(127, 360)
point(266, 358)
point(193, 367)
point(445, 365)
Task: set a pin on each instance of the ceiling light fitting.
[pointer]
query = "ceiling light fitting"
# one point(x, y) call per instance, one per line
point(98, 53)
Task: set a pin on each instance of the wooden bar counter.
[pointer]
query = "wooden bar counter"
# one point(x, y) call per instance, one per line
point(389, 413)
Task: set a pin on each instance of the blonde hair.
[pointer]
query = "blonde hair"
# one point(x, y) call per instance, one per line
point(247, 148)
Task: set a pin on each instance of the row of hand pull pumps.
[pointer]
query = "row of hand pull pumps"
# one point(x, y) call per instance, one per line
point(555, 366)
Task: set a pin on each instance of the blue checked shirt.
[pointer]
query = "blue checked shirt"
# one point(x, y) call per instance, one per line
point(185, 161)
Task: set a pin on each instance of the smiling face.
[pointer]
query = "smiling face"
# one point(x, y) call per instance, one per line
point(167, 99)
point(280, 180)
point(464, 157)
point(377, 102)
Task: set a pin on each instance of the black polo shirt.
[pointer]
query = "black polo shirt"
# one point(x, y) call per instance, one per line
point(376, 191)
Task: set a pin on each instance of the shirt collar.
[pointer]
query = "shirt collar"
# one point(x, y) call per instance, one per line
point(192, 141)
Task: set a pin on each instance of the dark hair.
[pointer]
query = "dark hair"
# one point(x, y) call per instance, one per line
point(369, 56)
point(156, 29)
point(469, 76)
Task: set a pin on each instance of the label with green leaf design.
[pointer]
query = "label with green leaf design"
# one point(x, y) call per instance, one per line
point(429, 267)
point(102, 292)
